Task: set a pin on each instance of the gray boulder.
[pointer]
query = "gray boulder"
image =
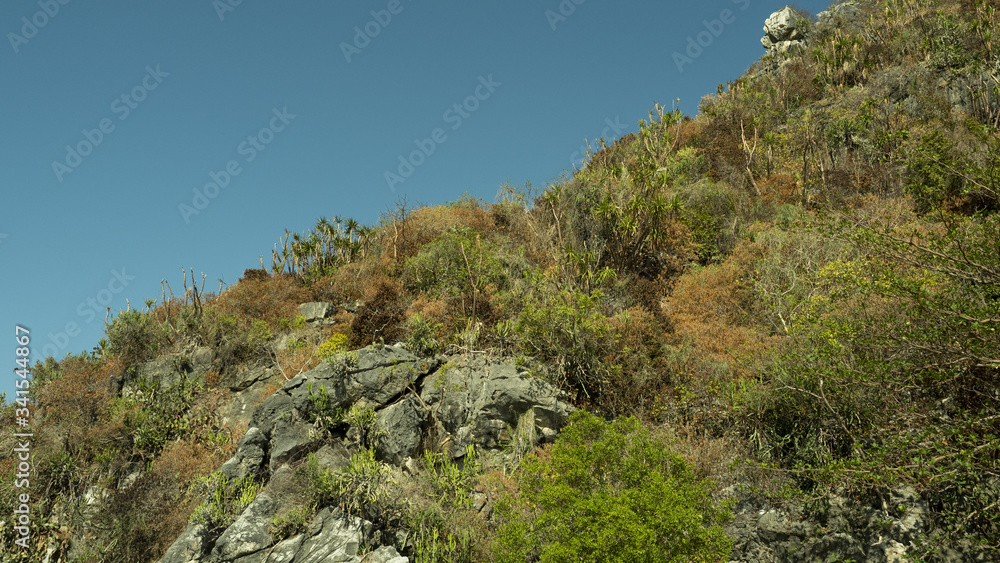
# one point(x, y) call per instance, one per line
point(846, 15)
point(402, 424)
point(189, 547)
point(249, 534)
point(384, 373)
point(333, 537)
point(849, 528)
point(316, 311)
point(250, 377)
point(783, 31)
point(172, 368)
point(250, 455)
point(476, 402)
point(291, 441)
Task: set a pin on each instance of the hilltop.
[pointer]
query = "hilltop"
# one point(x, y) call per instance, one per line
point(764, 332)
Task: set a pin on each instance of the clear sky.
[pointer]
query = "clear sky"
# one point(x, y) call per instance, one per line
point(139, 138)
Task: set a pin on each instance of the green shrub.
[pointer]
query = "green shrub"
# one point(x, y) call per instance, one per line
point(422, 336)
point(289, 525)
point(323, 411)
point(566, 329)
point(451, 265)
point(451, 483)
point(155, 415)
point(609, 493)
point(135, 336)
point(226, 501)
point(709, 211)
point(437, 536)
point(364, 418)
point(236, 340)
point(364, 488)
point(290, 324)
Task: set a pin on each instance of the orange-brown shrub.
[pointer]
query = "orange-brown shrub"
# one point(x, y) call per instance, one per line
point(269, 389)
point(780, 189)
point(80, 396)
point(269, 299)
point(641, 379)
point(295, 360)
point(711, 309)
point(348, 283)
point(143, 520)
point(689, 133)
point(429, 222)
point(435, 311)
point(183, 461)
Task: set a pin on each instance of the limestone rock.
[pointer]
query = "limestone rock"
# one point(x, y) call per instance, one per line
point(250, 455)
point(781, 28)
point(418, 402)
point(316, 311)
point(249, 534)
point(403, 424)
point(290, 441)
point(476, 402)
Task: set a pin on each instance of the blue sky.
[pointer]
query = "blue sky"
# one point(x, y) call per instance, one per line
point(140, 138)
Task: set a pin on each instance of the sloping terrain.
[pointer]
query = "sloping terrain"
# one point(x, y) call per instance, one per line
point(764, 333)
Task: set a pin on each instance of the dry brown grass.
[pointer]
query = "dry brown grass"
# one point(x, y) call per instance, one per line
point(79, 397)
point(431, 222)
point(722, 459)
point(712, 312)
point(433, 311)
point(269, 299)
point(295, 360)
point(269, 389)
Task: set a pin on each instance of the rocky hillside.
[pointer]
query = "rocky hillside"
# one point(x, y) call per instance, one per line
point(767, 332)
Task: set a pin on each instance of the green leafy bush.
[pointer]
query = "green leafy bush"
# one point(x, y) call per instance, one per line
point(892, 376)
point(609, 493)
point(135, 336)
point(364, 488)
point(236, 340)
point(323, 411)
point(422, 336)
point(284, 527)
point(439, 536)
point(453, 263)
point(451, 483)
point(154, 415)
point(364, 418)
point(566, 329)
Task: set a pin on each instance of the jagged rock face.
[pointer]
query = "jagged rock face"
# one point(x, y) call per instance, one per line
point(332, 536)
point(443, 404)
point(859, 529)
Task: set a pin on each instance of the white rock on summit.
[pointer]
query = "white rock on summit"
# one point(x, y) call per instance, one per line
point(782, 30)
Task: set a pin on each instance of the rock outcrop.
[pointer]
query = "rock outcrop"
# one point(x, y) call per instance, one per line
point(845, 528)
point(784, 30)
point(443, 404)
